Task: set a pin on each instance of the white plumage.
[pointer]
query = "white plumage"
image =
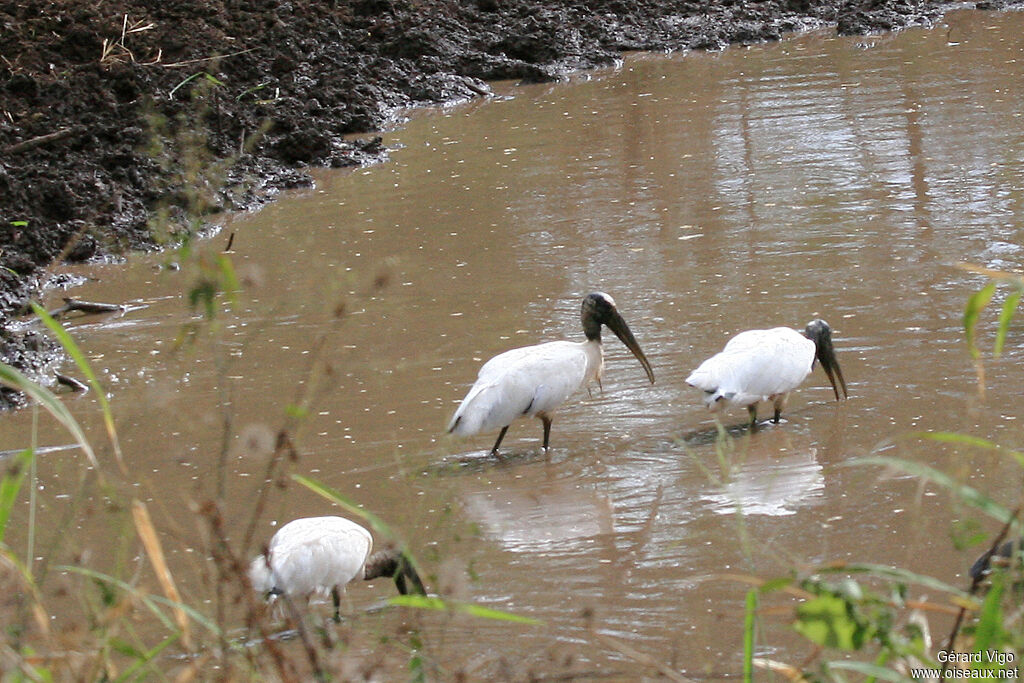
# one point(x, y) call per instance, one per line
point(312, 555)
point(765, 365)
point(320, 555)
point(533, 381)
point(526, 382)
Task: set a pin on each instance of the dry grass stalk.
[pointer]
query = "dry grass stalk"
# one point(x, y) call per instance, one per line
point(144, 526)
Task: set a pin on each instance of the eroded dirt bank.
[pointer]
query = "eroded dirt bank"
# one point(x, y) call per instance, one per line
point(114, 113)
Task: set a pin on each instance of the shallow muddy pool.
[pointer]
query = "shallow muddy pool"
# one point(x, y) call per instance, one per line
point(708, 193)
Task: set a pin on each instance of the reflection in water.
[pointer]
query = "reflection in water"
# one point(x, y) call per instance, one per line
point(772, 472)
point(549, 516)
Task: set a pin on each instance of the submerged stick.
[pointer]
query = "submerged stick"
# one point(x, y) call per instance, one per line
point(92, 307)
point(71, 382)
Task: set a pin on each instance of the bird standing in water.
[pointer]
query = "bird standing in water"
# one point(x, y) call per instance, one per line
point(765, 365)
point(533, 381)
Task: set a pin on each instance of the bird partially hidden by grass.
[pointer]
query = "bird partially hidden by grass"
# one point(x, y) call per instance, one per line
point(320, 555)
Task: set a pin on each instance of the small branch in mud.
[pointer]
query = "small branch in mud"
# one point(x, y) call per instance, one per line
point(91, 307)
point(231, 240)
point(71, 382)
point(32, 143)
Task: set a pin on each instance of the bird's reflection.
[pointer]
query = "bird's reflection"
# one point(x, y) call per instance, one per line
point(770, 473)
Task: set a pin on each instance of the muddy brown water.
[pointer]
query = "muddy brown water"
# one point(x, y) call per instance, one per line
point(708, 193)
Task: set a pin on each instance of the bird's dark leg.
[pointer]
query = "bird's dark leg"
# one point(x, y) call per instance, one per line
point(336, 599)
point(780, 403)
point(501, 435)
point(547, 429)
point(752, 411)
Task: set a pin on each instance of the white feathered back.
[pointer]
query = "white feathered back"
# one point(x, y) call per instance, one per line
point(312, 555)
point(524, 382)
point(755, 365)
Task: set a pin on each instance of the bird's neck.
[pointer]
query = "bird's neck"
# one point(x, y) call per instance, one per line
point(591, 328)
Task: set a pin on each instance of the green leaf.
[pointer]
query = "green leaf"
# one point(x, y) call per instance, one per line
point(433, 603)
point(19, 224)
point(125, 648)
point(1005, 318)
point(990, 619)
point(775, 584)
point(975, 305)
point(144, 658)
point(296, 412)
point(11, 484)
point(170, 95)
point(828, 620)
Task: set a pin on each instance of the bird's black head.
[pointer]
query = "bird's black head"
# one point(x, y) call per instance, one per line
point(820, 333)
point(397, 565)
point(599, 309)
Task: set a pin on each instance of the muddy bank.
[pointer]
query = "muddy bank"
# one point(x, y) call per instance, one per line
point(122, 124)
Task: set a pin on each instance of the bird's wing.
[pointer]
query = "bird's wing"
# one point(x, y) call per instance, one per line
point(523, 381)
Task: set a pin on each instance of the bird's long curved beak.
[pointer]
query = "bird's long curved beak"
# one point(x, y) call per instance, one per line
point(617, 325)
point(407, 579)
point(830, 364)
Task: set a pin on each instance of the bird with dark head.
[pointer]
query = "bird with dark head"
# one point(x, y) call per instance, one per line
point(1000, 556)
point(533, 381)
point(321, 555)
point(765, 365)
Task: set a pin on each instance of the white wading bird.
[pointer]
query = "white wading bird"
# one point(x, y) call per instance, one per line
point(321, 555)
point(765, 365)
point(533, 381)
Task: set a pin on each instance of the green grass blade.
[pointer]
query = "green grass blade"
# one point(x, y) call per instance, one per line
point(11, 484)
point(1005, 318)
point(971, 441)
point(52, 404)
point(893, 574)
point(966, 493)
point(148, 600)
point(144, 658)
point(437, 604)
point(975, 305)
point(83, 364)
point(749, 622)
point(375, 522)
point(957, 438)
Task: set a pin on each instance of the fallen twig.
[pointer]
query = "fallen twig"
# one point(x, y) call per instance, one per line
point(38, 141)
